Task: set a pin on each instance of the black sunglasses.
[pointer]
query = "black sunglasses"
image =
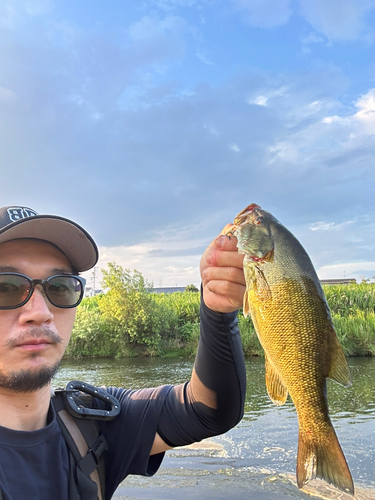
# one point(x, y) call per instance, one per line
point(62, 290)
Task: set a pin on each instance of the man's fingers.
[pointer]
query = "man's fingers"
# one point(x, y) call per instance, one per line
point(227, 288)
point(223, 242)
point(223, 296)
point(222, 274)
point(232, 274)
point(224, 258)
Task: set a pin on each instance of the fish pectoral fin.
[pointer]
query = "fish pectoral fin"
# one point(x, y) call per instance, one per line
point(250, 277)
point(246, 304)
point(276, 388)
point(269, 256)
point(257, 282)
point(339, 370)
point(262, 286)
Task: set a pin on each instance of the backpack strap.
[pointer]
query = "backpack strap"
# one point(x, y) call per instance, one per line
point(86, 445)
point(85, 442)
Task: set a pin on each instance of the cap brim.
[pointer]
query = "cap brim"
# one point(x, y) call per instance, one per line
point(76, 243)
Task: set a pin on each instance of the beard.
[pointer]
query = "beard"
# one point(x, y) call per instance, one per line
point(28, 380)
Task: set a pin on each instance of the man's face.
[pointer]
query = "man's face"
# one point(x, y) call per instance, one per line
point(33, 337)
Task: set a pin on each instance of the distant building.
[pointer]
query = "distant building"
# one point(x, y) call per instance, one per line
point(167, 289)
point(343, 281)
point(175, 289)
point(90, 292)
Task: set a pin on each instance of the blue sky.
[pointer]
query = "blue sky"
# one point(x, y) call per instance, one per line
point(153, 123)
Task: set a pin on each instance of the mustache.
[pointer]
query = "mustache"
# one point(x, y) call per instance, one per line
point(36, 333)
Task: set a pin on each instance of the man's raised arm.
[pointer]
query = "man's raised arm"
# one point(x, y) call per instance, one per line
point(212, 402)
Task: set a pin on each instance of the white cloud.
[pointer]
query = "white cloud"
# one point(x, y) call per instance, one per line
point(149, 28)
point(269, 96)
point(330, 226)
point(286, 151)
point(14, 13)
point(340, 20)
point(173, 4)
point(314, 136)
point(336, 20)
point(7, 95)
point(264, 13)
point(312, 38)
point(359, 124)
point(321, 225)
point(165, 156)
point(261, 100)
point(164, 261)
point(348, 270)
point(329, 120)
point(205, 60)
point(234, 147)
point(366, 114)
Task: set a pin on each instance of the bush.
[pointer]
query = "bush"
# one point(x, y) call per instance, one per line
point(131, 313)
point(128, 320)
point(91, 335)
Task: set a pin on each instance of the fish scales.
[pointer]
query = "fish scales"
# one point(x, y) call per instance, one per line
point(293, 323)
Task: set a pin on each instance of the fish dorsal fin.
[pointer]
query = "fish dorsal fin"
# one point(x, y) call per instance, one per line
point(339, 370)
point(276, 388)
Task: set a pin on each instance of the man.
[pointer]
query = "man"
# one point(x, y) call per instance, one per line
point(40, 258)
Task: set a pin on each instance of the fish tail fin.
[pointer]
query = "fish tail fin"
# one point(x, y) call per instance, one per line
point(324, 459)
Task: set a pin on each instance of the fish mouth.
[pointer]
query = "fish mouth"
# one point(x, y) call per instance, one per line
point(242, 217)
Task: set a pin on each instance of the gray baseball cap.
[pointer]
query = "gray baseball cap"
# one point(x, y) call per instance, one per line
point(22, 222)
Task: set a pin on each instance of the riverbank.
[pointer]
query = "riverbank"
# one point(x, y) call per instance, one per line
point(133, 322)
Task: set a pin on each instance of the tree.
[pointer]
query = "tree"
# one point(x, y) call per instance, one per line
point(191, 288)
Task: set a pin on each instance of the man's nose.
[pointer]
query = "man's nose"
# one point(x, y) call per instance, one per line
point(37, 309)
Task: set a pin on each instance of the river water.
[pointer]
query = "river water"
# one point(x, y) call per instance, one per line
point(257, 458)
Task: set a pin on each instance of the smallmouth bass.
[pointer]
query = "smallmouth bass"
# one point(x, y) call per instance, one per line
point(293, 322)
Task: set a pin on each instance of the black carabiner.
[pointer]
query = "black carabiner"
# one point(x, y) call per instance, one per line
point(73, 390)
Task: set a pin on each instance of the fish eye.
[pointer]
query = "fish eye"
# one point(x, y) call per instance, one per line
point(258, 221)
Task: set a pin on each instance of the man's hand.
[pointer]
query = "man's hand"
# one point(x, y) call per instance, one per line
point(222, 274)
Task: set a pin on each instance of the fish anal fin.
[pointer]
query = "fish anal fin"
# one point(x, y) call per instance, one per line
point(323, 458)
point(339, 370)
point(276, 388)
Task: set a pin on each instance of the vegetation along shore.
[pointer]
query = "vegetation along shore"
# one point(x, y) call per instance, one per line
point(128, 320)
